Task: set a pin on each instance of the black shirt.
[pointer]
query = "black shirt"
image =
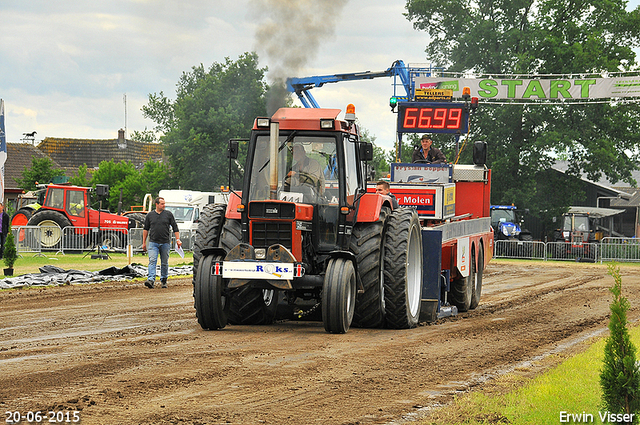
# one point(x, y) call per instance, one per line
point(158, 226)
point(434, 155)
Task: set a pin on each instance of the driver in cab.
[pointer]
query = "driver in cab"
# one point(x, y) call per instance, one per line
point(305, 171)
point(427, 153)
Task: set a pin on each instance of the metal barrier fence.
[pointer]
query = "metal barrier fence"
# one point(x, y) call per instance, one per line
point(35, 239)
point(566, 251)
point(609, 249)
point(619, 249)
point(27, 239)
point(519, 249)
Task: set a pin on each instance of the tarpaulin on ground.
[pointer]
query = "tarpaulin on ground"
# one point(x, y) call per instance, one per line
point(55, 276)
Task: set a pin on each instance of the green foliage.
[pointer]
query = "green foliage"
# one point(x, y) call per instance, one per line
point(133, 182)
point(620, 375)
point(145, 136)
point(80, 177)
point(42, 171)
point(545, 37)
point(10, 254)
point(212, 106)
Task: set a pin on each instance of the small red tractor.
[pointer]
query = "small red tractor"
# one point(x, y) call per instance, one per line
point(68, 206)
point(294, 243)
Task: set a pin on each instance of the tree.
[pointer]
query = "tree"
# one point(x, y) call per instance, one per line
point(545, 37)
point(620, 374)
point(134, 183)
point(211, 107)
point(42, 171)
point(80, 177)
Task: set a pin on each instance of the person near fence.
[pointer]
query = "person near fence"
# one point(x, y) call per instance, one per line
point(4, 228)
point(157, 229)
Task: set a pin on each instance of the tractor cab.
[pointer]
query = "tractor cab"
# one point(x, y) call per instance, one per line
point(306, 173)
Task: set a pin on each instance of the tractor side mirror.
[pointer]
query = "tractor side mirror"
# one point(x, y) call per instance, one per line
point(480, 153)
point(366, 151)
point(232, 151)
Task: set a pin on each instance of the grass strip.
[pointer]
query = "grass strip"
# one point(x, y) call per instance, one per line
point(572, 387)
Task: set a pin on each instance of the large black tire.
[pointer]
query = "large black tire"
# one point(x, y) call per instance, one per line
point(477, 287)
point(338, 295)
point(248, 305)
point(402, 269)
point(138, 219)
point(208, 234)
point(366, 245)
point(462, 289)
point(52, 223)
point(210, 299)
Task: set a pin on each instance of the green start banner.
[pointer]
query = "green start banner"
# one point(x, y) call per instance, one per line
point(537, 89)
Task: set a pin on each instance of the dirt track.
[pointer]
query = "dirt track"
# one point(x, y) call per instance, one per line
point(120, 353)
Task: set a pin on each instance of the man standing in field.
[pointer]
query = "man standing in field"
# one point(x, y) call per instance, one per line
point(157, 227)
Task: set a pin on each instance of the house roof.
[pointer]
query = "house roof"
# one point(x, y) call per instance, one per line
point(77, 152)
point(19, 156)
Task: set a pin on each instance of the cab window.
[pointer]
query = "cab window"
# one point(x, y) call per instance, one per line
point(55, 198)
point(75, 203)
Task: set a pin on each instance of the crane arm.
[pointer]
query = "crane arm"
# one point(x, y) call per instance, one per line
point(302, 86)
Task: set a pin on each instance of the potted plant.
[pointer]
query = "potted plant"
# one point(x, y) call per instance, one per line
point(10, 254)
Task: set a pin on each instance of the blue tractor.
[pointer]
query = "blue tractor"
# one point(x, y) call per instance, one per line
point(507, 224)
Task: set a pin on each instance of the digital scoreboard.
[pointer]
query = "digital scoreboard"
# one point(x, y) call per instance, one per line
point(433, 117)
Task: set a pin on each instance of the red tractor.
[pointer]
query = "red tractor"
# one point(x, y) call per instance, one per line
point(68, 206)
point(307, 239)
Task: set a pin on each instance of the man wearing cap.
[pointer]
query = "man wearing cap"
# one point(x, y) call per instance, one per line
point(428, 153)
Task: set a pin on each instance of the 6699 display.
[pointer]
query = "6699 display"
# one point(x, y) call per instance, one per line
point(51, 417)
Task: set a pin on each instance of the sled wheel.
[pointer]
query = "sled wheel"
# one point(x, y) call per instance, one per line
point(477, 287)
point(462, 289)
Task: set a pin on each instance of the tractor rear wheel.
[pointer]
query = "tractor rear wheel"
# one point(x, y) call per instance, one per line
point(402, 269)
point(366, 245)
point(51, 224)
point(211, 302)
point(477, 286)
point(462, 289)
point(338, 295)
point(21, 217)
point(208, 233)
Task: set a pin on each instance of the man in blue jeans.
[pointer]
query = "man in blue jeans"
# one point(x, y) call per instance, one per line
point(157, 226)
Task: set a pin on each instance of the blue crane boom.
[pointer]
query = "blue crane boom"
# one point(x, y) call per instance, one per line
point(405, 74)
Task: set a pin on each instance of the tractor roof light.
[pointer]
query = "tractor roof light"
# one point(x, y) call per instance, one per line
point(327, 123)
point(350, 115)
point(466, 93)
point(262, 122)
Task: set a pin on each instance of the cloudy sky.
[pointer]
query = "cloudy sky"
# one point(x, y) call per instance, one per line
point(65, 66)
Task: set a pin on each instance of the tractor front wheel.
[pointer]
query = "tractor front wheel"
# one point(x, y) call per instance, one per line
point(338, 295)
point(211, 303)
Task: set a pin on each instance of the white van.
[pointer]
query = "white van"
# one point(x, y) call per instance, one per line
point(186, 205)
